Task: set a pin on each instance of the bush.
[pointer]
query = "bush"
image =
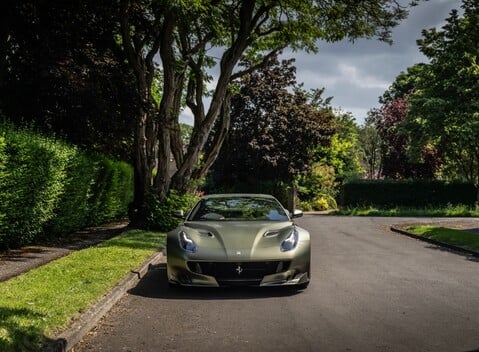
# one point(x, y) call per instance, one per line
point(30, 193)
point(321, 202)
point(48, 187)
point(112, 190)
point(406, 193)
point(324, 202)
point(96, 190)
point(3, 179)
point(160, 214)
point(318, 188)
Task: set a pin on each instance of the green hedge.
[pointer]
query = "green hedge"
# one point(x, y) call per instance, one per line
point(48, 187)
point(160, 214)
point(408, 193)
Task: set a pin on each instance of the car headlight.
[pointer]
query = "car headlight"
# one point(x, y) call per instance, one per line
point(291, 241)
point(187, 243)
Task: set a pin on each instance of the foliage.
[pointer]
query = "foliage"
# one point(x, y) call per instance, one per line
point(431, 211)
point(334, 164)
point(30, 310)
point(273, 131)
point(77, 51)
point(3, 182)
point(417, 193)
point(445, 105)
point(182, 33)
point(160, 213)
point(370, 143)
point(317, 188)
point(404, 83)
point(324, 202)
point(52, 187)
point(65, 75)
point(344, 152)
point(389, 120)
point(31, 191)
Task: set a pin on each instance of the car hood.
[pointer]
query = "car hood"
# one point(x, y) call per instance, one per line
point(242, 240)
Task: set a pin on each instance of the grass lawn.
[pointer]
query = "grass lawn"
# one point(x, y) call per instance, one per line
point(451, 236)
point(43, 301)
point(449, 211)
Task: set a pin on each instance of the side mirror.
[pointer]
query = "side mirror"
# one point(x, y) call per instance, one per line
point(180, 214)
point(297, 213)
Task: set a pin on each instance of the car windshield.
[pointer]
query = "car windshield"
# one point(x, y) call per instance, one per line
point(238, 209)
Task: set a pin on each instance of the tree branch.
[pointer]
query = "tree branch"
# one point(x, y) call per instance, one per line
point(260, 65)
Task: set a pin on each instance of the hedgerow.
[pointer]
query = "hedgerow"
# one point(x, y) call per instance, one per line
point(49, 187)
point(408, 193)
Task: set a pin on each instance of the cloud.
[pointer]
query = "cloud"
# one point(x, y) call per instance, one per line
point(357, 74)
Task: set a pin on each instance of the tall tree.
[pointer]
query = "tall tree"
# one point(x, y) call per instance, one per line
point(371, 150)
point(390, 120)
point(274, 131)
point(344, 152)
point(183, 33)
point(64, 73)
point(445, 105)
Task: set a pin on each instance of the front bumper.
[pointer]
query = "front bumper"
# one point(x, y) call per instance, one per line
point(285, 271)
point(188, 278)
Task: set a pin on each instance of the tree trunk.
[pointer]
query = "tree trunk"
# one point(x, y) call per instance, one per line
point(204, 126)
point(165, 143)
point(146, 131)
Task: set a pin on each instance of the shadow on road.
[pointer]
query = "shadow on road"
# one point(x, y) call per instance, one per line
point(466, 256)
point(155, 285)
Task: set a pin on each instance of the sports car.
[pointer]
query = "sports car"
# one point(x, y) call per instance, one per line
point(238, 240)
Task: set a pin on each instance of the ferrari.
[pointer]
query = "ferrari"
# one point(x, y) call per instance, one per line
point(238, 240)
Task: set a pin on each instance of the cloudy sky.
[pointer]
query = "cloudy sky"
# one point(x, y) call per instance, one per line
point(357, 74)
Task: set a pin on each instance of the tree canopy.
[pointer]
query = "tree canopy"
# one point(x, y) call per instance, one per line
point(184, 34)
point(64, 74)
point(445, 104)
point(87, 44)
point(390, 120)
point(274, 128)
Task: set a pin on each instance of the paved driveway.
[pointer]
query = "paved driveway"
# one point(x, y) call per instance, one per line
point(371, 290)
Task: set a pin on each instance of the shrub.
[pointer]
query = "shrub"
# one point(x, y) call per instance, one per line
point(96, 190)
point(73, 211)
point(3, 179)
point(48, 187)
point(409, 193)
point(30, 193)
point(160, 214)
point(112, 190)
point(318, 188)
point(324, 202)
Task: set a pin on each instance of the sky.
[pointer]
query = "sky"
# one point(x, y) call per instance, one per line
point(357, 74)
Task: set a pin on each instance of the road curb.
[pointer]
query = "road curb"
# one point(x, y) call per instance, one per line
point(65, 341)
point(435, 242)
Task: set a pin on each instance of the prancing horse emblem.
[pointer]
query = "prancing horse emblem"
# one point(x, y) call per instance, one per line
point(239, 269)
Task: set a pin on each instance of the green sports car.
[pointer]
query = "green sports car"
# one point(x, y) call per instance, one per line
point(238, 239)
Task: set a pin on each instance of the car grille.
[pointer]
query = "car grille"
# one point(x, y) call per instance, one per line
point(238, 273)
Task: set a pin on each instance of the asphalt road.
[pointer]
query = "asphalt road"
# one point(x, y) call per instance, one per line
point(371, 290)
